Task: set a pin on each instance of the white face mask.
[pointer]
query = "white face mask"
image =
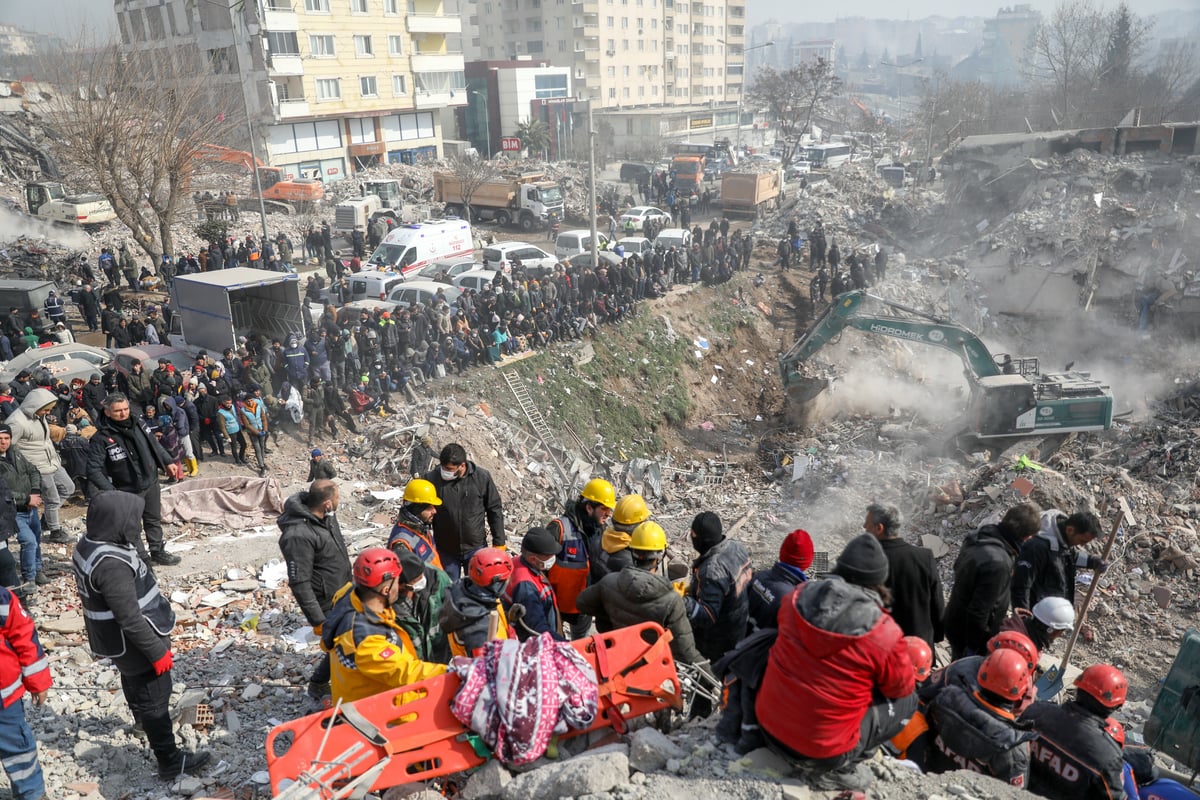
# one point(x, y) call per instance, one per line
point(448, 474)
point(419, 584)
point(548, 563)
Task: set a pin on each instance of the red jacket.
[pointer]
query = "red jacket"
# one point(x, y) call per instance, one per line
point(23, 662)
point(836, 646)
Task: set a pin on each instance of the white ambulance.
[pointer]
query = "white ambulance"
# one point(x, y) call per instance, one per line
point(409, 248)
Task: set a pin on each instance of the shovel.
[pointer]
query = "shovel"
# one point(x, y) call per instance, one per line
point(1051, 682)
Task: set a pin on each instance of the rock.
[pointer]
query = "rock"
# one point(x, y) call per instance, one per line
point(67, 623)
point(650, 749)
point(82, 787)
point(487, 782)
point(586, 774)
point(243, 585)
point(764, 762)
point(187, 785)
point(252, 691)
point(87, 751)
point(793, 790)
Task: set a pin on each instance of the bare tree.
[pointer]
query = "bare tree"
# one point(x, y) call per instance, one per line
point(132, 122)
point(1164, 91)
point(472, 172)
point(792, 97)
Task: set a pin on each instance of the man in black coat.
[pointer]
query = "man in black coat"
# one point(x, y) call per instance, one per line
point(469, 499)
point(983, 581)
point(769, 586)
point(318, 563)
point(129, 621)
point(917, 601)
point(125, 456)
point(1047, 562)
point(716, 600)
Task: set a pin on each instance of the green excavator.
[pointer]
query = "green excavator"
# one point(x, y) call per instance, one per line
point(1010, 397)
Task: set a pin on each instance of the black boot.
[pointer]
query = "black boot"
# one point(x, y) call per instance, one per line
point(184, 762)
point(163, 558)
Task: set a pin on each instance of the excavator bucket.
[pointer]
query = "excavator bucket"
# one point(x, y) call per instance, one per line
point(807, 398)
point(414, 731)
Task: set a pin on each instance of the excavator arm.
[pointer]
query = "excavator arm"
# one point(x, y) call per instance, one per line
point(909, 324)
point(227, 155)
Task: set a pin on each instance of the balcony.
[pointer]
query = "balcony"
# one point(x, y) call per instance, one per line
point(434, 23)
point(293, 109)
point(587, 26)
point(279, 17)
point(437, 62)
point(426, 100)
point(585, 6)
point(281, 65)
point(587, 52)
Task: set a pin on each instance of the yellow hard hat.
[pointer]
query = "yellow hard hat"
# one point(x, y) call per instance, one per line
point(648, 536)
point(631, 510)
point(421, 491)
point(600, 491)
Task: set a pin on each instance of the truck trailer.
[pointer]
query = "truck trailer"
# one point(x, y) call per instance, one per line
point(750, 193)
point(213, 308)
point(523, 200)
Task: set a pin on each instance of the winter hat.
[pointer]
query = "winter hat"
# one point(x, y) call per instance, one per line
point(797, 549)
point(411, 565)
point(70, 429)
point(863, 561)
point(540, 541)
point(315, 452)
point(707, 531)
point(4, 428)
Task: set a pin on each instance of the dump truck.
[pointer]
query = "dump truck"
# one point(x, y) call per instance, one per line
point(689, 173)
point(525, 200)
point(750, 193)
point(49, 201)
point(213, 308)
point(381, 198)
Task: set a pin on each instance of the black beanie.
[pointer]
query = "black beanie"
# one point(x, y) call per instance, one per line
point(411, 565)
point(707, 529)
point(541, 541)
point(862, 562)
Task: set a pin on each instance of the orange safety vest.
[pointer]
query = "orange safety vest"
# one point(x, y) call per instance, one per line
point(569, 575)
point(418, 542)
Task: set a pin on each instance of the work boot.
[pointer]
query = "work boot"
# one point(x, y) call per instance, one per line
point(26, 593)
point(58, 536)
point(320, 693)
point(163, 558)
point(41, 579)
point(184, 762)
point(856, 777)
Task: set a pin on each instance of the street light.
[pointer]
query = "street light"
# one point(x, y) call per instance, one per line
point(742, 92)
point(900, 81)
point(487, 124)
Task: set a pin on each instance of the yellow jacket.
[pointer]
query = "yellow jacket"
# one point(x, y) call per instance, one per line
point(369, 653)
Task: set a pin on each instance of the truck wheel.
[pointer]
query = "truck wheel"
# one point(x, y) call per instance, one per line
point(454, 211)
point(502, 218)
point(527, 222)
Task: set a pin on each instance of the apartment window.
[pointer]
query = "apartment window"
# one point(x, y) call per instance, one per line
point(640, 26)
point(399, 85)
point(362, 131)
point(368, 86)
point(329, 89)
point(358, 6)
point(612, 72)
point(395, 45)
point(612, 46)
point(534, 46)
point(624, 23)
point(283, 44)
point(317, 6)
point(155, 20)
point(363, 46)
point(624, 45)
point(321, 45)
point(610, 22)
point(625, 93)
point(612, 93)
point(625, 71)
point(654, 91)
point(562, 46)
point(391, 6)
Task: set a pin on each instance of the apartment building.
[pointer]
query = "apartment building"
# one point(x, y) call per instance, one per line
point(331, 86)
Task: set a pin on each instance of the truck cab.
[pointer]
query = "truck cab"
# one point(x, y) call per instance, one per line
point(388, 192)
point(539, 199)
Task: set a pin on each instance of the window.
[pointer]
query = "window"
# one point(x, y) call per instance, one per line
point(534, 46)
point(391, 6)
point(402, 127)
point(612, 93)
point(395, 45)
point(625, 71)
point(562, 46)
point(329, 89)
point(317, 6)
point(612, 72)
point(625, 93)
point(399, 85)
point(610, 21)
point(321, 45)
point(362, 131)
point(439, 82)
point(641, 45)
point(624, 23)
point(282, 44)
point(363, 46)
point(155, 20)
point(358, 6)
point(550, 86)
point(367, 86)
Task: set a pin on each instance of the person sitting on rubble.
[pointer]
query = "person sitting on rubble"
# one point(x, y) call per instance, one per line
point(528, 598)
point(148, 281)
point(473, 614)
point(413, 529)
point(768, 587)
point(370, 651)
point(1050, 618)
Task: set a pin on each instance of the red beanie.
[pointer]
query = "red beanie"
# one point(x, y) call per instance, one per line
point(797, 549)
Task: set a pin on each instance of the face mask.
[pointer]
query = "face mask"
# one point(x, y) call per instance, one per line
point(420, 583)
point(449, 474)
point(548, 563)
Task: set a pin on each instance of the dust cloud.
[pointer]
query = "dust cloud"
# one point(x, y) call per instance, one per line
point(14, 225)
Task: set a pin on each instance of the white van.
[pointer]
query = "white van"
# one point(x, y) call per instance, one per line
point(409, 248)
point(571, 243)
point(372, 284)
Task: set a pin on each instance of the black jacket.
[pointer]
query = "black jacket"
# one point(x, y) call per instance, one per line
point(466, 613)
point(22, 477)
point(467, 503)
point(1046, 565)
point(125, 457)
point(126, 616)
point(1073, 757)
point(982, 585)
point(633, 596)
point(967, 734)
point(917, 602)
point(717, 605)
point(767, 590)
point(320, 470)
point(317, 562)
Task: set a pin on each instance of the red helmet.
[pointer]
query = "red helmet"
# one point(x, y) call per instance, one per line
point(1104, 682)
point(375, 566)
point(1004, 673)
point(921, 656)
point(1115, 730)
point(1018, 643)
point(488, 566)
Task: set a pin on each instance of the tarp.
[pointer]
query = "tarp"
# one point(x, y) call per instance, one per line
point(233, 502)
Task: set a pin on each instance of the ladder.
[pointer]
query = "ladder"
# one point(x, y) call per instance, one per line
point(520, 391)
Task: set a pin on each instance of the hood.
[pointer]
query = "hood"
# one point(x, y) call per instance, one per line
point(642, 586)
point(38, 398)
point(295, 511)
point(170, 403)
point(835, 614)
point(464, 603)
point(115, 517)
point(991, 536)
point(1048, 529)
point(614, 541)
point(975, 731)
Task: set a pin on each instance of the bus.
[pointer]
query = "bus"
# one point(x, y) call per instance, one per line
point(825, 156)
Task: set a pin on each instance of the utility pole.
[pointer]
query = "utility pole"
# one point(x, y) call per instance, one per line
point(592, 186)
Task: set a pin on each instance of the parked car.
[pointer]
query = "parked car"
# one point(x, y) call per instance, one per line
point(673, 237)
point(64, 361)
point(575, 241)
point(414, 292)
point(607, 259)
point(638, 216)
point(149, 355)
point(447, 271)
point(477, 279)
point(349, 314)
point(636, 244)
point(500, 256)
point(634, 173)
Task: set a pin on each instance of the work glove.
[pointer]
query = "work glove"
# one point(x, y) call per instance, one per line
point(164, 663)
point(680, 587)
point(516, 612)
point(503, 548)
point(1098, 564)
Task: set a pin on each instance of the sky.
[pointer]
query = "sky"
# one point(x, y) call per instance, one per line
point(65, 18)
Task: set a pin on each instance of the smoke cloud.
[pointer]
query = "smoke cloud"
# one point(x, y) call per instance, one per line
point(14, 225)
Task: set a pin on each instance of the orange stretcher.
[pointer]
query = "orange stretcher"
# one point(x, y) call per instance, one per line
point(409, 734)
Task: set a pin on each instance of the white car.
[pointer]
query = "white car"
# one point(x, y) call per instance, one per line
point(446, 271)
point(636, 245)
point(575, 241)
point(411, 293)
point(63, 361)
point(477, 279)
point(638, 216)
point(673, 237)
point(500, 256)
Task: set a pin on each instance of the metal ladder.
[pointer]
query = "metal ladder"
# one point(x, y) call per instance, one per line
point(520, 391)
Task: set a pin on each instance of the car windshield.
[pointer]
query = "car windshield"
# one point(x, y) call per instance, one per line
point(492, 254)
point(551, 195)
point(388, 254)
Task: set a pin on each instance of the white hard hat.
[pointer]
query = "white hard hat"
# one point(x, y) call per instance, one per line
point(1056, 613)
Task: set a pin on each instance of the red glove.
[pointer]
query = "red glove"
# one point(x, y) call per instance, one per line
point(164, 663)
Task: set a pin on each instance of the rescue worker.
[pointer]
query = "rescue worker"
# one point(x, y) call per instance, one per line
point(839, 681)
point(318, 468)
point(977, 730)
point(610, 551)
point(128, 621)
point(417, 611)
point(581, 524)
point(1074, 757)
point(473, 614)
point(921, 656)
point(369, 651)
point(716, 600)
point(23, 668)
point(768, 587)
point(1051, 618)
point(529, 598)
point(963, 672)
point(639, 594)
point(1047, 562)
point(413, 530)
